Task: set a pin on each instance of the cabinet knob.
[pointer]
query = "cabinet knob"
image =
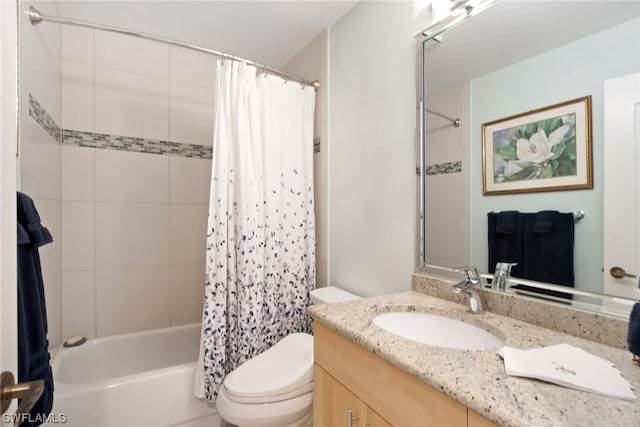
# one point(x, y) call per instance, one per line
point(351, 417)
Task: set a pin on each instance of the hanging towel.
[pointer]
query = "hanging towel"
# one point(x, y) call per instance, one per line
point(33, 346)
point(505, 240)
point(548, 245)
point(633, 334)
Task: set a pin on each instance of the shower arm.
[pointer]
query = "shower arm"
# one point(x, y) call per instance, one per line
point(456, 122)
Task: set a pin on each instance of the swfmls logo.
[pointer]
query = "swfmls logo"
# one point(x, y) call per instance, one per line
point(60, 418)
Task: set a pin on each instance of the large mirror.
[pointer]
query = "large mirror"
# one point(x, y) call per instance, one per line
point(512, 58)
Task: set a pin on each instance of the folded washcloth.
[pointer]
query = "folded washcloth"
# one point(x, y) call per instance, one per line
point(568, 366)
point(633, 335)
point(507, 222)
point(544, 222)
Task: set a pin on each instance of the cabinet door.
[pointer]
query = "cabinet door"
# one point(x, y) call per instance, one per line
point(334, 405)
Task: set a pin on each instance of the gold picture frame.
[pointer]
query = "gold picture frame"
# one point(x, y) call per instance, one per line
point(548, 149)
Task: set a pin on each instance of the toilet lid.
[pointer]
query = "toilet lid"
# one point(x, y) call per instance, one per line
point(285, 367)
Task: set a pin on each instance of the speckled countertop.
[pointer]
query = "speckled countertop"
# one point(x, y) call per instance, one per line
point(476, 378)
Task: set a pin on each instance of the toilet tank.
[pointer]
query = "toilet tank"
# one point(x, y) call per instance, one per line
point(330, 295)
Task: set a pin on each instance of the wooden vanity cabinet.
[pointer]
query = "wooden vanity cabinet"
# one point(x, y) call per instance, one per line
point(339, 407)
point(379, 394)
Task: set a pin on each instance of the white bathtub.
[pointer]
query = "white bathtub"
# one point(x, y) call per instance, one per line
point(138, 379)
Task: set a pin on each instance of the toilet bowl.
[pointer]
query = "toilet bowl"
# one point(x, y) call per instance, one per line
point(275, 388)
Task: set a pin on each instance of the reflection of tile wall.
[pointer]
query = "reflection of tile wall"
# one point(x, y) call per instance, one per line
point(447, 179)
point(444, 168)
point(136, 124)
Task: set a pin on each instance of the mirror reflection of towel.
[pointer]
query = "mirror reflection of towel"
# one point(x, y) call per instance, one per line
point(548, 243)
point(506, 240)
point(33, 346)
point(541, 243)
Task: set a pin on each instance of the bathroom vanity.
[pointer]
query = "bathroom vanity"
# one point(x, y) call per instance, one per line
point(346, 376)
point(366, 376)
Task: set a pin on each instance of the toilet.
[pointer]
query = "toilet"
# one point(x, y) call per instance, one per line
point(275, 388)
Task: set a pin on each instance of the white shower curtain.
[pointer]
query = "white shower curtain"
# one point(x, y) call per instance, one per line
point(260, 255)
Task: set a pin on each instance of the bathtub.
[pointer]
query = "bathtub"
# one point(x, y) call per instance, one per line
point(138, 379)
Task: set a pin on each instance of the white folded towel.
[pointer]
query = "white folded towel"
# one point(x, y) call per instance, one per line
point(568, 366)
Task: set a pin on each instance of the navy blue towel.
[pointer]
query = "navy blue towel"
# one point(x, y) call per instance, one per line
point(33, 346)
point(633, 335)
point(505, 240)
point(541, 243)
point(548, 242)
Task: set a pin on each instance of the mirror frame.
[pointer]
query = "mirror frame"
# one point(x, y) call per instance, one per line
point(433, 31)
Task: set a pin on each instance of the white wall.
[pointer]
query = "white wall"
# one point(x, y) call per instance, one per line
point(572, 71)
point(371, 155)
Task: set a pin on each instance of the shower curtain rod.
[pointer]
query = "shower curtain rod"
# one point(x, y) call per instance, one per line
point(456, 122)
point(36, 17)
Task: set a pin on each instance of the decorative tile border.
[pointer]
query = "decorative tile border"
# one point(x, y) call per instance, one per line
point(139, 145)
point(444, 168)
point(114, 142)
point(43, 118)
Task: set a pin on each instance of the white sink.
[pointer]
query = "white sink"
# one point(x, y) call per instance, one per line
point(437, 330)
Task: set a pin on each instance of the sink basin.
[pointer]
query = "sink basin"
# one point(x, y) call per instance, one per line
point(437, 330)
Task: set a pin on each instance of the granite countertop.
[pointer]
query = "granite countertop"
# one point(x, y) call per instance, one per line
point(476, 378)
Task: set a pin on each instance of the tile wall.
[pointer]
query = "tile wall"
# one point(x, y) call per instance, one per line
point(134, 217)
point(130, 179)
point(447, 179)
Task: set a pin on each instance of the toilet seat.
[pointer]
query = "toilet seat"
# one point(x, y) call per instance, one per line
point(267, 399)
point(286, 368)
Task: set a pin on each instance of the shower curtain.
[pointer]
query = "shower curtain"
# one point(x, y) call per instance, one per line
point(260, 254)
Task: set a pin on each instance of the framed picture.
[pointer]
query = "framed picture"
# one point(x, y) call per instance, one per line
point(548, 149)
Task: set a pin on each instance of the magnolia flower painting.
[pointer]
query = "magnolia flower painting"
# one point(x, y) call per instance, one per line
point(538, 150)
point(547, 149)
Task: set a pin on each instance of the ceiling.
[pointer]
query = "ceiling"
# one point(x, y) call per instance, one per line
point(513, 30)
point(267, 32)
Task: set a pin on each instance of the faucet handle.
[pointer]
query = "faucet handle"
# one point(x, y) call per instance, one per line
point(471, 272)
point(505, 267)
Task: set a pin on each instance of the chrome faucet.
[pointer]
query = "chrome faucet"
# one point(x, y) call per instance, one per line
point(502, 276)
point(467, 286)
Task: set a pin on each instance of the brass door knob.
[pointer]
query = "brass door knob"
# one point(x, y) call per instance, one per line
point(619, 273)
point(29, 392)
